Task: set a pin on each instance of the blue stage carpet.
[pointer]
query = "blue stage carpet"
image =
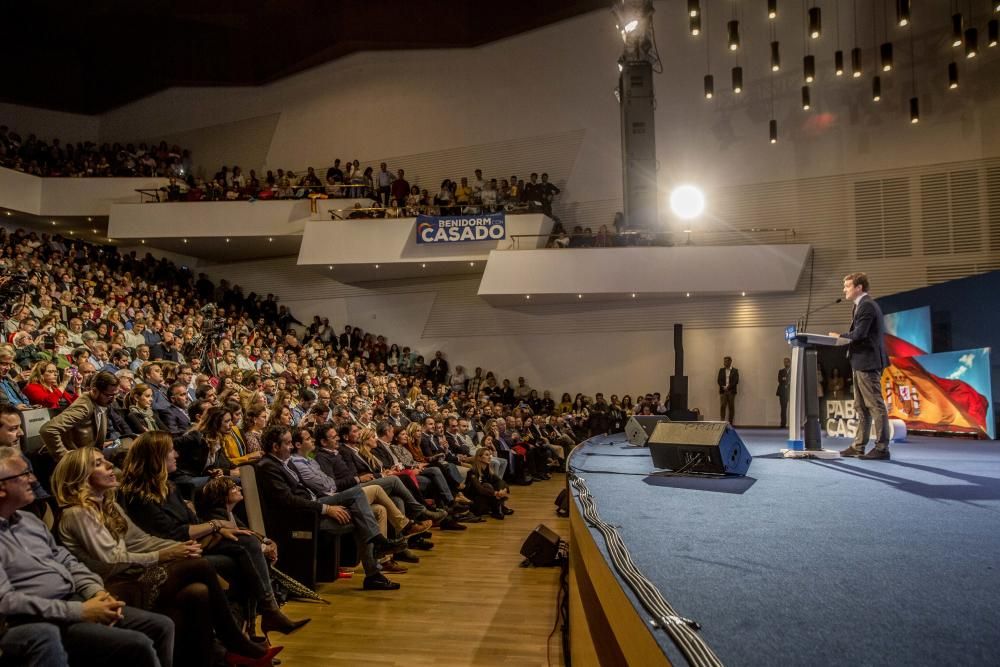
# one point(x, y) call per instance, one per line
point(808, 562)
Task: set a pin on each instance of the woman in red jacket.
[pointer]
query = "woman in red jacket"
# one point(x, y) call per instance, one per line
point(44, 389)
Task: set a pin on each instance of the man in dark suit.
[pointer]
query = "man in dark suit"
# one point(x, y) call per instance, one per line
point(728, 379)
point(868, 357)
point(784, 380)
point(175, 417)
point(284, 491)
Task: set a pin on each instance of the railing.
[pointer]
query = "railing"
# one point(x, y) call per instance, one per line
point(751, 236)
point(428, 209)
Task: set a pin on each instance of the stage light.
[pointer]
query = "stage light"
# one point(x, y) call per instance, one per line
point(902, 13)
point(93, 231)
point(527, 297)
point(815, 22)
point(743, 293)
point(90, 219)
point(376, 266)
point(856, 62)
point(772, 9)
point(693, 9)
point(971, 43)
point(956, 30)
point(876, 88)
point(805, 98)
point(694, 25)
point(143, 242)
point(472, 263)
point(952, 75)
point(991, 32)
point(331, 267)
point(914, 110)
point(620, 67)
point(53, 223)
point(775, 57)
point(773, 130)
point(227, 240)
point(838, 63)
point(809, 68)
point(737, 79)
point(633, 295)
point(632, 25)
point(687, 202)
point(687, 295)
point(734, 35)
point(423, 266)
point(885, 52)
point(270, 239)
point(185, 240)
point(579, 296)
point(709, 86)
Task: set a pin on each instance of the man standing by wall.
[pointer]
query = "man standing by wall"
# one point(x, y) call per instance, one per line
point(868, 357)
point(728, 379)
point(784, 379)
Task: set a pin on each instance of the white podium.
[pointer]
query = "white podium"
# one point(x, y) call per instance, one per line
point(804, 430)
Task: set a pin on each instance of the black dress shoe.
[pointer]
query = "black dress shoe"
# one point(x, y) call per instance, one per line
point(852, 452)
point(451, 524)
point(378, 582)
point(507, 511)
point(497, 515)
point(423, 545)
point(385, 547)
point(876, 455)
point(407, 556)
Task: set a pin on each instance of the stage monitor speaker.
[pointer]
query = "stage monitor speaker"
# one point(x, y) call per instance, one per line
point(542, 546)
point(699, 447)
point(640, 427)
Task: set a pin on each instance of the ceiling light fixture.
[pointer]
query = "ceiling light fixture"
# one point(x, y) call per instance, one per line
point(952, 75)
point(876, 88)
point(815, 22)
point(737, 79)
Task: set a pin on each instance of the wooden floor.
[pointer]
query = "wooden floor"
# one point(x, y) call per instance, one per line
point(468, 602)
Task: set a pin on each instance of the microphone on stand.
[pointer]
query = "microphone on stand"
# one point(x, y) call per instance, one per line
point(804, 320)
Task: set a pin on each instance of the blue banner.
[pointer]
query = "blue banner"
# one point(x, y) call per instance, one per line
point(460, 228)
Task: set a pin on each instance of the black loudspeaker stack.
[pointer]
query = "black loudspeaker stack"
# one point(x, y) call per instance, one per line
point(640, 427)
point(542, 546)
point(699, 448)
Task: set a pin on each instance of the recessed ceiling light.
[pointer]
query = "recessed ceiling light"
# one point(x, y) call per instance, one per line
point(90, 219)
point(743, 293)
point(579, 296)
point(423, 266)
point(527, 296)
point(633, 295)
point(472, 263)
point(687, 294)
point(143, 241)
point(270, 239)
point(331, 267)
point(185, 240)
point(227, 240)
point(376, 266)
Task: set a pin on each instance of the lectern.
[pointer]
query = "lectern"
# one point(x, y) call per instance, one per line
point(804, 430)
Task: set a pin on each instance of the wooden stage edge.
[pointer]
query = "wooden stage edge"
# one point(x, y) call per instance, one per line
point(605, 629)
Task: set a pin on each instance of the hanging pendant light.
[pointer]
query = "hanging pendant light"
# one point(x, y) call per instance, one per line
point(838, 63)
point(809, 68)
point(772, 9)
point(772, 127)
point(952, 75)
point(956, 30)
point(885, 51)
point(805, 98)
point(709, 86)
point(734, 35)
point(876, 88)
point(815, 23)
point(775, 57)
point(856, 62)
point(694, 25)
point(914, 110)
point(902, 13)
point(971, 43)
point(693, 8)
point(737, 79)
point(992, 33)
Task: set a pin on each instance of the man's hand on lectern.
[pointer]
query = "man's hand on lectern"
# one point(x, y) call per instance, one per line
point(834, 334)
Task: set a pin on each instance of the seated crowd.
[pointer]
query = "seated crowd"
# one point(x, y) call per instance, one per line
point(88, 159)
point(165, 391)
point(393, 195)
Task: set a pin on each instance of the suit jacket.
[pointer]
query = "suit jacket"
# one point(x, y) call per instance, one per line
point(73, 428)
point(281, 489)
point(783, 379)
point(734, 380)
point(337, 466)
point(175, 419)
point(866, 350)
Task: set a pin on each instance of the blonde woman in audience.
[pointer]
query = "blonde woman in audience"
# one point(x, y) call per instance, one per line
point(153, 573)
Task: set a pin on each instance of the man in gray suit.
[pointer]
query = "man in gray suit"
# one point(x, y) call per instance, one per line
point(85, 422)
point(868, 357)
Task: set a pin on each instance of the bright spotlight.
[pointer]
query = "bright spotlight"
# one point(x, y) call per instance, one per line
point(632, 25)
point(687, 202)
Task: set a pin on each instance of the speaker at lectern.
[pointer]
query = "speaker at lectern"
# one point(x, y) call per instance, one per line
point(640, 427)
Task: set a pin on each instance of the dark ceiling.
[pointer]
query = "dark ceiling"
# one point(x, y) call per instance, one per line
point(92, 56)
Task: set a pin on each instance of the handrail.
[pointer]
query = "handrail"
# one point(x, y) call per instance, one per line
point(633, 238)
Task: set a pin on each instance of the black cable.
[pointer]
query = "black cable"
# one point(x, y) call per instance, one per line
point(682, 631)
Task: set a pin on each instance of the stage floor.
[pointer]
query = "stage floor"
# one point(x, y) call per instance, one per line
point(841, 562)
